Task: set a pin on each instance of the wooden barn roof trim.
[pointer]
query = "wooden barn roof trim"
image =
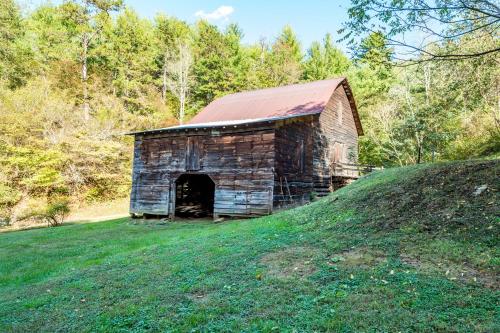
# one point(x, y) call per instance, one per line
point(217, 124)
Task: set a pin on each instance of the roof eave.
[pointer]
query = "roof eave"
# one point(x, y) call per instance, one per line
point(214, 125)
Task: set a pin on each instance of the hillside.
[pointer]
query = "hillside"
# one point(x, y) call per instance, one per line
point(405, 249)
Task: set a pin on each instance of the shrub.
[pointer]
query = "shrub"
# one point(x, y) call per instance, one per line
point(57, 212)
point(54, 213)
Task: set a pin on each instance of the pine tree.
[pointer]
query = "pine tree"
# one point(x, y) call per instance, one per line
point(373, 51)
point(16, 58)
point(218, 62)
point(284, 61)
point(132, 57)
point(170, 33)
point(325, 61)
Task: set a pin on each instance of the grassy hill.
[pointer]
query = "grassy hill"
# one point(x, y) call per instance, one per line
point(408, 249)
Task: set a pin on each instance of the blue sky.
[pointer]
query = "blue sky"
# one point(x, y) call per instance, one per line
point(311, 19)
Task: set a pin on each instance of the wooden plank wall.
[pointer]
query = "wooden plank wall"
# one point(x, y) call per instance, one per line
point(294, 157)
point(240, 161)
point(335, 140)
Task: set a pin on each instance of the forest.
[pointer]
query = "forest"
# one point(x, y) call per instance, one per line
point(75, 77)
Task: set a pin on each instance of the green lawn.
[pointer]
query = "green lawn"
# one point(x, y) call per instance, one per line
point(410, 249)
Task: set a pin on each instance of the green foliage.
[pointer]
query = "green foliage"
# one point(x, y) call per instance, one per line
point(130, 58)
point(399, 250)
point(325, 61)
point(53, 213)
point(429, 23)
point(16, 63)
point(373, 50)
point(61, 130)
point(56, 212)
point(284, 61)
point(217, 61)
point(420, 113)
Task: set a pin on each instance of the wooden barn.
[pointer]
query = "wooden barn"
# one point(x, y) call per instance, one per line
point(248, 153)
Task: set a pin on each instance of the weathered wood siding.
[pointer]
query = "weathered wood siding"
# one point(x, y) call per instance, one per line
point(335, 140)
point(239, 161)
point(294, 160)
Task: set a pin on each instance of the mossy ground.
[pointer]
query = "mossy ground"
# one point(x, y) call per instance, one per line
point(406, 249)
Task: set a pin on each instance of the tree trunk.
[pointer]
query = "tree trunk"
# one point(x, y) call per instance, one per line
point(164, 85)
point(182, 105)
point(86, 107)
point(420, 148)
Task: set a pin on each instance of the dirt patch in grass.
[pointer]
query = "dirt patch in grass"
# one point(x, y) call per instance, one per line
point(198, 298)
point(360, 257)
point(292, 262)
point(453, 271)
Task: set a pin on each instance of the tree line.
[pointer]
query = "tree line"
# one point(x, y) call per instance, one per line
point(74, 77)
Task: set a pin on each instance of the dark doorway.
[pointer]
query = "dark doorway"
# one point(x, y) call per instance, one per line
point(194, 196)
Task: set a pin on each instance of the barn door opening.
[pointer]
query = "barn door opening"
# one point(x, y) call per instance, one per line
point(194, 196)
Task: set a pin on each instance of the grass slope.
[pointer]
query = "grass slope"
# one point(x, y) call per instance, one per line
point(409, 249)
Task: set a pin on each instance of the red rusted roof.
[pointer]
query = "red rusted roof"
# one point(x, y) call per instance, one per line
point(268, 105)
point(292, 100)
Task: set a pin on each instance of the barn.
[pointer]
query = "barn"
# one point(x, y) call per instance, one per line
point(249, 153)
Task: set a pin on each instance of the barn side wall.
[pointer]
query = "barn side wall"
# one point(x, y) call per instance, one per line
point(335, 141)
point(239, 161)
point(294, 161)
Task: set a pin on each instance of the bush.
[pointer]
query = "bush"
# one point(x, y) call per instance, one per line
point(54, 213)
point(57, 212)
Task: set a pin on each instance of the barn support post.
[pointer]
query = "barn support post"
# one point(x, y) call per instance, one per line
point(171, 201)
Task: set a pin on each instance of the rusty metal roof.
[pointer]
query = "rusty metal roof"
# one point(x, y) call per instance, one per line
point(268, 105)
point(297, 99)
point(287, 101)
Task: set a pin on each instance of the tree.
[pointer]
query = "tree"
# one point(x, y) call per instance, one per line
point(216, 62)
point(179, 76)
point(87, 16)
point(170, 33)
point(325, 61)
point(373, 76)
point(131, 57)
point(284, 61)
point(238, 60)
point(257, 73)
point(15, 54)
point(373, 51)
point(440, 22)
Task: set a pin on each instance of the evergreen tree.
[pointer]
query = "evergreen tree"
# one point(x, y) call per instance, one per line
point(170, 34)
point(16, 58)
point(219, 65)
point(87, 16)
point(210, 61)
point(284, 61)
point(132, 58)
point(374, 75)
point(373, 50)
point(325, 61)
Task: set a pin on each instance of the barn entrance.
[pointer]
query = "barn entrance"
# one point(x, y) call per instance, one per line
point(194, 196)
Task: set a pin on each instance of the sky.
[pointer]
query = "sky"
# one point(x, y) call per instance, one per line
point(310, 19)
